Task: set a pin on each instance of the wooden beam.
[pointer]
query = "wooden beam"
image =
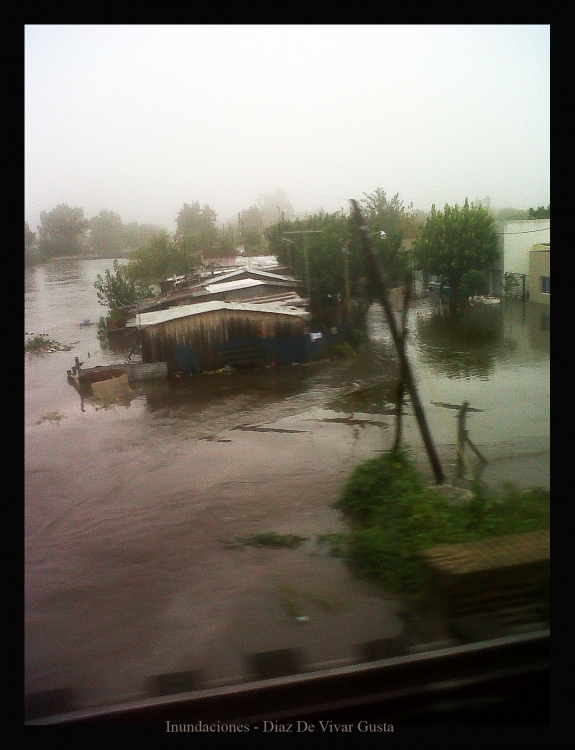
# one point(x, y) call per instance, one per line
point(380, 284)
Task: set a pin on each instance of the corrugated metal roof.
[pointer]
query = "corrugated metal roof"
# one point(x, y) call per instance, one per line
point(226, 286)
point(230, 275)
point(183, 311)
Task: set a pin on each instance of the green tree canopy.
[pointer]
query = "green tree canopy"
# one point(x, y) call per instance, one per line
point(197, 227)
point(511, 214)
point(158, 260)
point(323, 248)
point(390, 216)
point(29, 237)
point(139, 235)
point(116, 289)
point(251, 230)
point(540, 212)
point(61, 231)
point(107, 235)
point(455, 242)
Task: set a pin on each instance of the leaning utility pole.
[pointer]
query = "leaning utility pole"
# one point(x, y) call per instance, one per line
point(381, 286)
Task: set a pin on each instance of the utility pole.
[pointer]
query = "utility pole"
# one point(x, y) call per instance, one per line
point(345, 251)
point(305, 232)
point(381, 286)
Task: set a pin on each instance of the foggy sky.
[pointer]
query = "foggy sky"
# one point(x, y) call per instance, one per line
point(142, 119)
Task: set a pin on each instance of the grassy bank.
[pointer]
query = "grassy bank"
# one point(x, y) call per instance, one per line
point(393, 514)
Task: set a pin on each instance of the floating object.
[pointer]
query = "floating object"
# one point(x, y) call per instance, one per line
point(134, 370)
point(453, 406)
point(481, 300)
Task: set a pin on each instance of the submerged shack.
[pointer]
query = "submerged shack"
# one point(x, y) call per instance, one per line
point(208, 336)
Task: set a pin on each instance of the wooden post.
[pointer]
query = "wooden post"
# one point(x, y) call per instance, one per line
point(346, 280)
point(523, 280)
point(401, 384)
point(381, 286)
point(463, 439)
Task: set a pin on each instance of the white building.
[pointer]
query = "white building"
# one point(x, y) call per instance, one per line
point(516, 240)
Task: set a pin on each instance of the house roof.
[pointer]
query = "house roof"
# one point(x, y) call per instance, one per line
point(253, 272)
point(143, 320)
point(228, 286)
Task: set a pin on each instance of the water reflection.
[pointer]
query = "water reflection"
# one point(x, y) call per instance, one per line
point(539, 325)
point(464, 347)
point(233, 390)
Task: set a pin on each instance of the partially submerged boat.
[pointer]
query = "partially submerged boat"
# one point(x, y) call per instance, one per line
point(135, 371)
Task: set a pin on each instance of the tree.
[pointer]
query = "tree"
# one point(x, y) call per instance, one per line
point(455, 242)
point(116, 289)
point(324, 253)
point(540, 213)
point(29, 244)
point(474, 284)
point(275, 207)
point(139, 235)
point(511, 214)
point(197, 226)
point(29, 237)
point(158, 260)
point(107, 235)
point(313, 250)
point(62, 231)
point(390, 215)
point(251, 226)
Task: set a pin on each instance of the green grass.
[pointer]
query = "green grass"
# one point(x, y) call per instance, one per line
point(42, 343)
point(52, 416)
point(393, 514)
point(39, 342)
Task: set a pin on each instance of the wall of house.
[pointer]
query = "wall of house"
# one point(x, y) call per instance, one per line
point(516, 239)
point(195, 343)
point(539, 266)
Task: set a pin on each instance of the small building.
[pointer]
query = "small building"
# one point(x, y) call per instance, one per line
point(208, 336)
point(540, 273)
point(235, 286)
point(516, 239)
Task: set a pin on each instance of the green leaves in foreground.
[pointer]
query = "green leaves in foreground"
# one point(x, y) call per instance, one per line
point(394, 514)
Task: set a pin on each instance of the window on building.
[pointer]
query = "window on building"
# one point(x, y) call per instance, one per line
point(545, 284)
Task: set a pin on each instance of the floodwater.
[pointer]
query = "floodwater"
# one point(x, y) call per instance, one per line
point(127, 502)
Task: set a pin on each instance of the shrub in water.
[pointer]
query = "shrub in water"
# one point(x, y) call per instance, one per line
point(395, 514)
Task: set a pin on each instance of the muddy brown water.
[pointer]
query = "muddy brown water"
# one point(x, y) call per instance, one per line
point(128, 504)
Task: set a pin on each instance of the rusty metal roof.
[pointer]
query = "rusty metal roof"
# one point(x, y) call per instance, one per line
point(144, 320)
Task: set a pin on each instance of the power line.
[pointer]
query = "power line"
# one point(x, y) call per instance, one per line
point(527, 231)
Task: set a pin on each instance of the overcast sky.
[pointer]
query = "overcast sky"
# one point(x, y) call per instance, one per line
point(142, 119)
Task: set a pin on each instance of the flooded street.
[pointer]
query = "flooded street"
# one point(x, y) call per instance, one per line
point(128, 505)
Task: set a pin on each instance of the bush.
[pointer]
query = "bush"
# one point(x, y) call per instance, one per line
point(377, 484)
point(394, 514)
point(356, 337)
point(343, 350)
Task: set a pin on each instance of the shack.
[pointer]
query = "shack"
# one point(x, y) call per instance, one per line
point(208, 336)
point(236, 286)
